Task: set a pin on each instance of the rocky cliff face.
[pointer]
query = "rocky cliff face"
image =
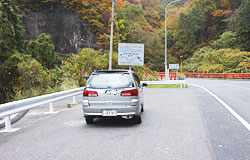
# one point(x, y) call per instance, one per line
point(68, 31)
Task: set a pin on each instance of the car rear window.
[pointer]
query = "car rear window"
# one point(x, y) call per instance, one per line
point(111, 80)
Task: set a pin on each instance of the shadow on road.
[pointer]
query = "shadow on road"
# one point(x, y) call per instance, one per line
point(112, 122)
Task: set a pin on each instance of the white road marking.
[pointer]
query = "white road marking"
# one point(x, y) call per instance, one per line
point(236, 115)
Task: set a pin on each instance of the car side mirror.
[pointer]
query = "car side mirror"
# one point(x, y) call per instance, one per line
point(144, 84)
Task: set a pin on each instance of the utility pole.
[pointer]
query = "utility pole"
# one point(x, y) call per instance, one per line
point(181, 64)
point(166, 38)
point(111, 36)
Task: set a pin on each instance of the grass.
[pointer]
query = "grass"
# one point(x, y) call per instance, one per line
point(164, 86)
point(33, 92)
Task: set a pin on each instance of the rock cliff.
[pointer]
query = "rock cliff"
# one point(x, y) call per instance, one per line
point(68, 31)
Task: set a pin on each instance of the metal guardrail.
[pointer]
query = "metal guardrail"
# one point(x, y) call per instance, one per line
point(8, 109)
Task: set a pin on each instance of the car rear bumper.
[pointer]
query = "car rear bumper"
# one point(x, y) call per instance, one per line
point(118, 114)
point(122, 108)
point(132, 110)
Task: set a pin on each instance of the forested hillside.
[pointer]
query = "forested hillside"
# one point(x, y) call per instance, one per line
point(192, 24)
point(211, 35)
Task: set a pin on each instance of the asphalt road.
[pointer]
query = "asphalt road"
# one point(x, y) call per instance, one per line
point(229, 138)
point(178, 124)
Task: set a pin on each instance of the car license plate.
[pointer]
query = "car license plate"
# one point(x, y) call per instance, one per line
point(109, 112)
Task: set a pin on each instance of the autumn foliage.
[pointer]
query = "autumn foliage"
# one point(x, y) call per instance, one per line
point(221, 13)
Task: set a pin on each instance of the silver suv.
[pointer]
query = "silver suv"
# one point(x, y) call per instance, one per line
point(113, 93)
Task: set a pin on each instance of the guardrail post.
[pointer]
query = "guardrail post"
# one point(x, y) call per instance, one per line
point(74, 100)
point(181, 85)
point(51, 108)
point(8, 126)
point(7, 123)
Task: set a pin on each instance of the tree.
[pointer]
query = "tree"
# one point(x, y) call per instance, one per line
point(43, 50)
point(32, 5)
point(227, 40)
point(153, 48)
point(234, 4)
point(137, 29)
point(32, 75)
point(11, 30)
point(82, 64)
point(11, 45)
point(202, 24)
point(241, 25)
point(229, 60)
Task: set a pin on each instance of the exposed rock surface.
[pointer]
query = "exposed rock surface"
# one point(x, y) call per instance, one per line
point(68, 31)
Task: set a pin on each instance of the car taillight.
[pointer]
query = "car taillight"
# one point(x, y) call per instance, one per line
point(87, 93)
point(133, 92)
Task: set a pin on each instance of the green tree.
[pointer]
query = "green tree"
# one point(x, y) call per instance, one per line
point(35, 79)
point(31, 5)
point(191, 64)
point(187, 36)
point(234, 4)
point(11, 45)
point(82, 64)
point(11, 30)
point(227, 40)
point(210, 60)
point(145, 73)
point(44, 51)
point(241, 25)
point(154, 54)
point(136, 28)
point(202, 24)
point(32, 75)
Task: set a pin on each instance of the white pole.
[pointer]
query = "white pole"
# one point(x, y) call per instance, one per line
point(111, 36)
point(166, 38)
point(51, 108)
point(8, 127)
point(74, 100)
point(7, 123)
point(166, 48)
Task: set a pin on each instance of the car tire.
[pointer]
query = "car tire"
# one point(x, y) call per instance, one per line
point(89, 120)
point(137, 119)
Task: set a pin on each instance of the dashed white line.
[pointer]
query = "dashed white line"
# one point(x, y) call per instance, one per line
point(236, 115)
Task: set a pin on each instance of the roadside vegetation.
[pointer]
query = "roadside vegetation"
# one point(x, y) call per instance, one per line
point(211, 35)
point(165, 86)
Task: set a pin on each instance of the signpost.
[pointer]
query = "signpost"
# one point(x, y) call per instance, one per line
point(174, 66)
point(131, 54)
